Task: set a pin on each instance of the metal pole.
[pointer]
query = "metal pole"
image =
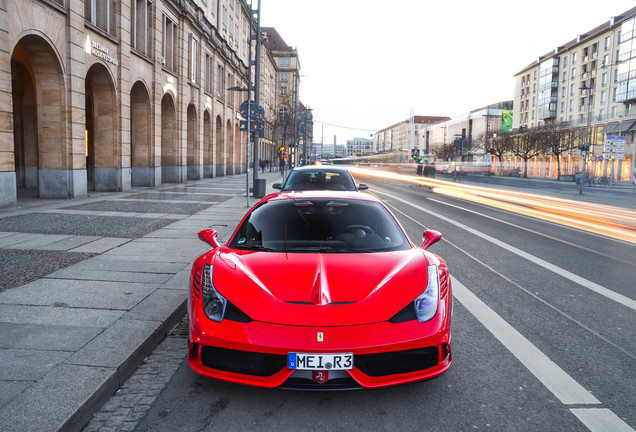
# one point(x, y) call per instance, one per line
point(257, 79)
point(295, 105)
point(587, 142)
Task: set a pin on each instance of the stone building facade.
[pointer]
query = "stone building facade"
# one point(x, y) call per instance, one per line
point(107, 95)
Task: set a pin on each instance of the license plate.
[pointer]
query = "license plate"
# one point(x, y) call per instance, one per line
point(305, 361)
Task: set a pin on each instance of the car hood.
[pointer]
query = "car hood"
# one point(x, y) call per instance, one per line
point(320, 289)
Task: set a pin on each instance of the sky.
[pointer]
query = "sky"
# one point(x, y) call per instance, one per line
point(365, 64)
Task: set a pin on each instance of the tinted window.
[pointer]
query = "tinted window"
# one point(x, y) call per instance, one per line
point(320, 225)
point(319, 180)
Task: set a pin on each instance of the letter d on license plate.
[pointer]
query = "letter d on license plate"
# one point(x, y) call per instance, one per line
point(306, 361)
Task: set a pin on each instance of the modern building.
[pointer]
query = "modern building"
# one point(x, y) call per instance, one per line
point(404, 135)
point(585, 83)
point(359, 147)
point(476, 129)
point(107, 95)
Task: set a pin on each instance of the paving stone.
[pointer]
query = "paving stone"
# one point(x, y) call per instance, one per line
point(28, 365)
point(103, 226)
point(45, 337)
point(146, 206)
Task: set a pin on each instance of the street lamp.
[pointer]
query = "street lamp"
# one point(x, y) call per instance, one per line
point(586, 145)
point(249, 133)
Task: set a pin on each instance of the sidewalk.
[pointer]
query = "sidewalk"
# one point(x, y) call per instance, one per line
point(89, 287)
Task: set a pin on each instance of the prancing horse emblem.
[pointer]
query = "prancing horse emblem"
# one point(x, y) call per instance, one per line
point(321, 337)
point(320, 376)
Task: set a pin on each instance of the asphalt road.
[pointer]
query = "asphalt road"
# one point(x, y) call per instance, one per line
point(544, 339)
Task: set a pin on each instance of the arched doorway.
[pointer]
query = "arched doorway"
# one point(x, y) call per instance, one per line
point(41, 154)
point(208, 148)
point(220, 159)
point(141, 154)
point(194, 150)
point(169, 153)
point(103, 164)
point(229, 153)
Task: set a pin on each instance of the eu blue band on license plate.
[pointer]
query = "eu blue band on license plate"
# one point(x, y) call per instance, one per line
point(314, 361)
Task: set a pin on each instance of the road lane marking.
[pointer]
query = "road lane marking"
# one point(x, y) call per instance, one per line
point(562, 385)
point(619, 298)
point(601, 420)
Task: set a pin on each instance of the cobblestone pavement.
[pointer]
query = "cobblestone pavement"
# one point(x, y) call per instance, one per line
point(18, 267)
point(131, 402)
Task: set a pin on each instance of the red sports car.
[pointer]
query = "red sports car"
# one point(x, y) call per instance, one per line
point(320, 290)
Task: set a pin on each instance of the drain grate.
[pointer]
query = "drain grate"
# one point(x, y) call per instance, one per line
point(181, 329)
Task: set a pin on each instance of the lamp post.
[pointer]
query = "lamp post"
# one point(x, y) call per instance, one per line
point(585, 148)
point(249, 134)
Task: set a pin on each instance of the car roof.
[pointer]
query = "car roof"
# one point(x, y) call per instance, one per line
point(333, 168)
point(323, 194)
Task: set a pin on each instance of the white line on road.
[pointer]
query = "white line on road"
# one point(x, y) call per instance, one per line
point(601, 420)
point(619, 298)
point(562, 385)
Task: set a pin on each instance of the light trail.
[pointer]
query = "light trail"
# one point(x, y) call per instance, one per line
point(609, 221)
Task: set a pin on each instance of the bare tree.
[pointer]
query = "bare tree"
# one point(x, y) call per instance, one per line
point(554, 137)
point(444, 151)
point(501, 145)
point(528, 145)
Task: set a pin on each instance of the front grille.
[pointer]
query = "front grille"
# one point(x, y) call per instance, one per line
point(330, 385)
point(243, 362)
point(396, 362)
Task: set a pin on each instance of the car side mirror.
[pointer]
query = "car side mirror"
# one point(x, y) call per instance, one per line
point(430, 237)
point(278, 186)
point(210, 236)
point(363, 186)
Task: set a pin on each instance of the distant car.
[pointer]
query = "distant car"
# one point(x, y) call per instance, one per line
point(320, 290)
point(320, 177)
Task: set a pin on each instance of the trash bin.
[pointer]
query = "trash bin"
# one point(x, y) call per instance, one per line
point(259, 188)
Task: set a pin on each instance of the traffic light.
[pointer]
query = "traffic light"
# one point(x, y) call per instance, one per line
point(415, 153)
point(584, 147)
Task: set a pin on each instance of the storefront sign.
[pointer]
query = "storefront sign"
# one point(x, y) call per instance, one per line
point(99, 50)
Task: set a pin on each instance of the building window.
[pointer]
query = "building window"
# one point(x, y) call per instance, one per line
point(614, 112)
point(140, 28)
point(219, 81)
point(283, 91)
point(572, 105)
point(565, 61)
point(565, 76)
point(100, 13)
point(573, 74)
point(573, 58)
point(282, 115)
point(283, 62)
point(169, 40)
point(608, 41)
point(601, 114)
point(571, 89)
point(603, 97)
point(194, 57)
point(563, 92)
point(208, 81)
point(284, 76)
point(605, 60)
point(604, 79)
point(562, 107)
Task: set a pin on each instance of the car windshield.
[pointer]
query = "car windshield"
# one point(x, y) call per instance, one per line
point(320, 226)
point(319, 180)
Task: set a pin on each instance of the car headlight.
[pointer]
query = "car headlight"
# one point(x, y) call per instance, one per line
point(213, 302)
point(426, 304)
